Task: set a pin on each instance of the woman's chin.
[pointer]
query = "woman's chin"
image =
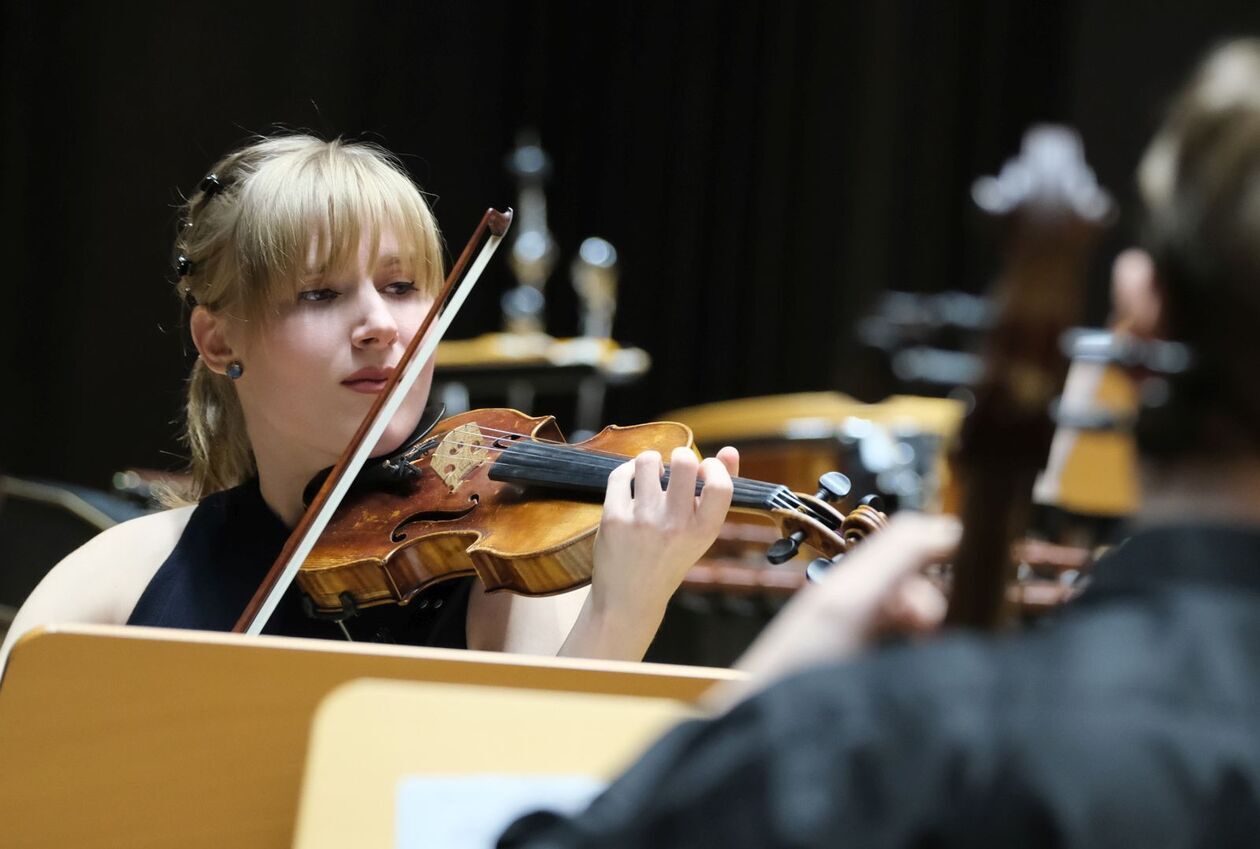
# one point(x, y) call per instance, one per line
point(390, 441)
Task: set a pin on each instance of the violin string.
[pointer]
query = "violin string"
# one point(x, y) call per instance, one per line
point(578, 456)
point(781, 496)
point(525, 464)
point(543, 452)
point(535, 440)
point(581, 458)
point(774, 494)
point(606, 466)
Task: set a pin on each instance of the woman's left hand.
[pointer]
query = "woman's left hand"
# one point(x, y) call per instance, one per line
point(647, 540)
point(650, 537)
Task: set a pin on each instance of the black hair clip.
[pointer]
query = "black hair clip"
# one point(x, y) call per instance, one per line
point(211, 185)
point(183, 265)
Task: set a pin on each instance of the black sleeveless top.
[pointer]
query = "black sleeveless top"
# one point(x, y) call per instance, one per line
point(230, 542)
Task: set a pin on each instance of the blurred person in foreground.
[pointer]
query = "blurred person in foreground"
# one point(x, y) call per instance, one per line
point(1128, 720)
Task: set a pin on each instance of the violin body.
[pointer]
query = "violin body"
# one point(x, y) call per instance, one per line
point(454, 520)
point(500, 495)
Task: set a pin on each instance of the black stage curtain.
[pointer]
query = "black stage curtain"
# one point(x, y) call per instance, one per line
point(764, 168)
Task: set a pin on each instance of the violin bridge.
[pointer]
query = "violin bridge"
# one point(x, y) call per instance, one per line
point(460, 453)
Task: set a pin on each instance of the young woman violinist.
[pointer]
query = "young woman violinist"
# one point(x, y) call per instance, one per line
point(309, 266)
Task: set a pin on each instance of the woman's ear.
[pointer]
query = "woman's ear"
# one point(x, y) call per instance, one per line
point(1136, 297)
point(210, 335)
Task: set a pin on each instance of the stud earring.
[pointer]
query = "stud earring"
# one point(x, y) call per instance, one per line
point(235, 369)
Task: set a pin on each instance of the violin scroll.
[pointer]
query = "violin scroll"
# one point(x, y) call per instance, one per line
point(864, 520)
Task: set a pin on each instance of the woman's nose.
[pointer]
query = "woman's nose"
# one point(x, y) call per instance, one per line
point(377, 326)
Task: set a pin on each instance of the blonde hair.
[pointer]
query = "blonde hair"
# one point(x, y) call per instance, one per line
point(244, 248)
point(1200, 185)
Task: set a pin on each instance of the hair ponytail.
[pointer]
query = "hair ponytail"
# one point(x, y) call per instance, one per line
point(219, 452)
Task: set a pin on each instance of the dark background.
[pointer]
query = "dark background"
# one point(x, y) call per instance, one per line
point(765, 169)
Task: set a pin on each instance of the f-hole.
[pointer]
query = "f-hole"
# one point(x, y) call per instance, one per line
point(400, 534)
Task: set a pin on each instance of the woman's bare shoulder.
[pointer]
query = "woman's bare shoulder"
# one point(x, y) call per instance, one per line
point(101, 581)
point(143, 536)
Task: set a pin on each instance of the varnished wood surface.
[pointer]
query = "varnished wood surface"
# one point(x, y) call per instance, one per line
point(382, 546)
point(362, 745)
point(144, 737)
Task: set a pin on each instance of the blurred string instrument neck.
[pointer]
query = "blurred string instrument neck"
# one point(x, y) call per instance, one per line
point(1052, 210)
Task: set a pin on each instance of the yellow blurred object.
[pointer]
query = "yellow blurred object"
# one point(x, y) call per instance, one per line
point(492, 350)
point(1093, 473)
point(805, 415)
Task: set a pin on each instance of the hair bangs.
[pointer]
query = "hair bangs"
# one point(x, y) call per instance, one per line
point(307, 217)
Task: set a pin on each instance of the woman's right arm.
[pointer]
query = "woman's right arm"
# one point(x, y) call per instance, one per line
point(101, 581)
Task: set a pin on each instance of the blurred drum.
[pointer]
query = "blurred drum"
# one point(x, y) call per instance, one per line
point(893, 448)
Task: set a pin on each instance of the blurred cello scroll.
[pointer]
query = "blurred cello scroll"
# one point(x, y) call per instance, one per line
point(1051, 210)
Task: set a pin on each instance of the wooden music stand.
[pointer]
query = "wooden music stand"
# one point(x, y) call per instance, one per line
point(146, 737)
point(364, 741)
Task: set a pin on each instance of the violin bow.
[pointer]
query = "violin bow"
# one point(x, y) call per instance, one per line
point(463, 276)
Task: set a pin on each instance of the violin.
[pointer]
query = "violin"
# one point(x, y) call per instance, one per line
point(501, 495)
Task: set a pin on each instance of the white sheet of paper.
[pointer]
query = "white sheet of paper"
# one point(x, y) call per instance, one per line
point(471, 811)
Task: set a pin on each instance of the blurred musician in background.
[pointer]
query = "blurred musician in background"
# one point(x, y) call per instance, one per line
point(1130, 719)
point(308, 267)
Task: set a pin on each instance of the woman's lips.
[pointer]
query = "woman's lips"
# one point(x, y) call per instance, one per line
point(368, 380)
point(365, 385)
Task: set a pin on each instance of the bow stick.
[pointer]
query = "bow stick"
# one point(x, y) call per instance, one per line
point(493, 226)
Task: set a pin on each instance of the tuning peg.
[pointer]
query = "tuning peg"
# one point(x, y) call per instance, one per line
point(833, 486)
point(818, 567)
point(785, 549)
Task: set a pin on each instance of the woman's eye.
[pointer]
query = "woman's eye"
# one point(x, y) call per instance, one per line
point(402, 287)
point(317, 295)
